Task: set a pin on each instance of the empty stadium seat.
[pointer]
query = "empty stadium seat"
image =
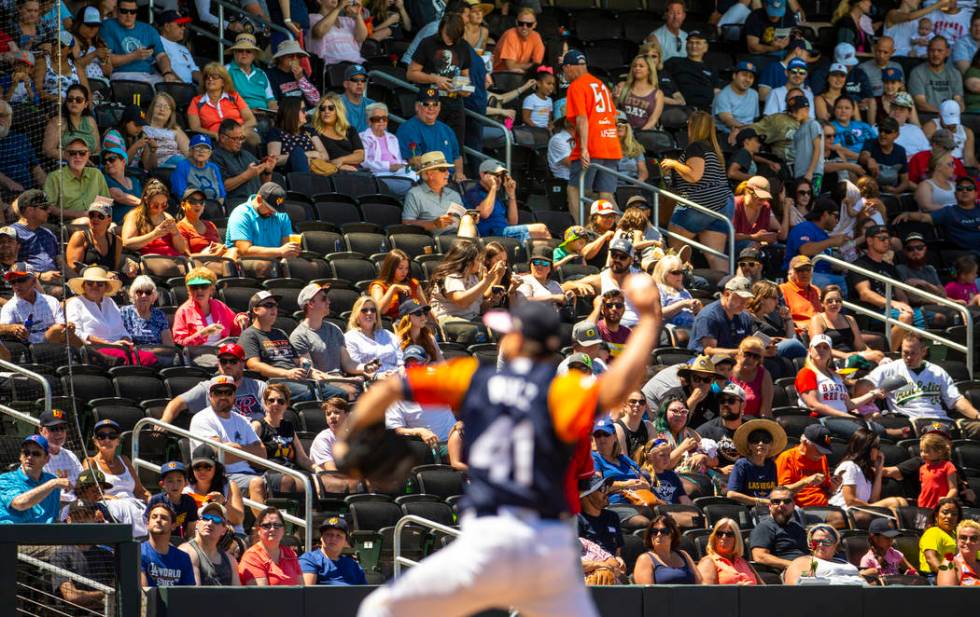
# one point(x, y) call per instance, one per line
point(440, 480)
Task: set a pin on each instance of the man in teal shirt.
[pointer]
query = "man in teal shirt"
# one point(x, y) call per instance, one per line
point(250, 81)
point(256, 229)
point(29, 494)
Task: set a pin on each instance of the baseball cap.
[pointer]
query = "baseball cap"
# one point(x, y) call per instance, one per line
point(106, 422)
point(580, 359)
point(745, 65)
point(90, 16)
point(744, 135)
point(602, 206)
point(16, 271)
point(621, 244)
point(605, 425)
point(535, 321)
point(415, 352)
point(190, 191)
point(133, 113)
point(309, 292)
point(837, 67)
point(176, 17)
point(91, 476)
point(353, 71)
point(410, 306)
point(271, 193)
point(944, 139)
point(491, 166)
point(800, 261)
point(740, 286)
point(797, 63)
point(891, 73)
point(916, 235)
point(573, 57)
point(335, 522)
point(734, 389)
point(796, 103)
point(775, 8)
point(586, 333)
point(171, 466)
point(8, 231)
point(821, 339)
point(587, 487)
point(749, 253)
point(938, 428)
point(799, 43)
point(819, 436)
point(883, 527)
point(759, 185)
point(203, 454)
point(231, 349)
point(949, 111)
point(102, 206)
point(33, 198)
point(41, 441)
point(222, 381)
point(874, 230)
point(845, 54)
point(888, 125)
point(903, 99)
point(697, 34)
point(573, 233)
point(260, 296)
point(201, 140)
point(426, 95)
point(66, 38)
point(215, 506)
point(53, 417)
point(637, 201)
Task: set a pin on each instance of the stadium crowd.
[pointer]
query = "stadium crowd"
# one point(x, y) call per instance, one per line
point(241, 247)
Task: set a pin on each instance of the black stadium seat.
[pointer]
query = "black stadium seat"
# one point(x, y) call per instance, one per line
point(441, 480)
point(374, 515)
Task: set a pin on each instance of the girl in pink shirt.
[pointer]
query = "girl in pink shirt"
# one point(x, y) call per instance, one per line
point(964, 288)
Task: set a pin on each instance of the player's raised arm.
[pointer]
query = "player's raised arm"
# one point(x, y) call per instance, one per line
point(629, 371)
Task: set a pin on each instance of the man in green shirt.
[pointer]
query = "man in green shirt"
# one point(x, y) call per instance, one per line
point(778, 130)
point(75, 186)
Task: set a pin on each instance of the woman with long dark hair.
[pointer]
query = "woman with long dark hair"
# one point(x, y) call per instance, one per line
point(395, 284)
point(90, 49)
point(75, 120)
point(938, 540)
point(290, 142)
point(859, 474)
point(458, 283)
point(699, 175)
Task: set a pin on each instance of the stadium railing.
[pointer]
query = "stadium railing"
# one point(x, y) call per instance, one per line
point(45, 387)
point(885, 317)
point(256, 461)
point(657, 192)
point(508, 138)
point(397, 538)
point(221, 38)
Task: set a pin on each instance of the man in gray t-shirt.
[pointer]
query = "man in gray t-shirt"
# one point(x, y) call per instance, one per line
point(807, 141)
point(935, 80)
point(248, 396)
point(323, 345)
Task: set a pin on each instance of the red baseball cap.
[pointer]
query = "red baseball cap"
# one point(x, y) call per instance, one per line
point(233, 349)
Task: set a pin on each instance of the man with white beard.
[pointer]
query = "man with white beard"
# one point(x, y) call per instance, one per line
point(19, 167)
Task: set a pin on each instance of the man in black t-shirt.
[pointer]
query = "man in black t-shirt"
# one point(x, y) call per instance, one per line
point(767, 29)
point(696, 80)
point(885, 160)
point(595, 522)
point(722, 429)
point(442, 61)
point(779, 538)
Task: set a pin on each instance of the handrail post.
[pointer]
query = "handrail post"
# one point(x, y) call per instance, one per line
point(581, 198)
point(396, 547)
point(221, 30)
point(45, 386)
point(888, 312)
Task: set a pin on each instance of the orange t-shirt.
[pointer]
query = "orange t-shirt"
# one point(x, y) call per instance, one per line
point(512, 47)
point(589, 97)
point(256, 563)
point(792, 466)
point(802, 303)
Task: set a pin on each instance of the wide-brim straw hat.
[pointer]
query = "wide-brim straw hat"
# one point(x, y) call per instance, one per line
point(245, 41)
point(741, 437)
point(288, 48)
point(97, 275)
point(433, 160)
point(701, 364)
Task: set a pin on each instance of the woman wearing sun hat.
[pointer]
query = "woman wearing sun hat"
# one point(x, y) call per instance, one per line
point(754, 476)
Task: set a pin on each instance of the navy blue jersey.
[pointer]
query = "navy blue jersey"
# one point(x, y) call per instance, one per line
point(521, 424)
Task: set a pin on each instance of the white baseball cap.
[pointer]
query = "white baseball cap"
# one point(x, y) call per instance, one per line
point(821, 338)
point(845, 54)
point(949, 111)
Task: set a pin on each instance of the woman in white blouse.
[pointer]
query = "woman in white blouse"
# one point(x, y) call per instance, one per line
point(367, 342)
point(382, 155)
point(96, 317)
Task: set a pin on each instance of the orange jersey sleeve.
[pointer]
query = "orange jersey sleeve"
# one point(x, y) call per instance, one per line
point(442, 384)
point(572, 402)
point(806, 380)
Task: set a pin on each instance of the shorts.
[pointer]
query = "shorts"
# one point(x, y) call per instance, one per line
point(242, 480)
point(600, 182)
point(918, 317)
point(695, 221)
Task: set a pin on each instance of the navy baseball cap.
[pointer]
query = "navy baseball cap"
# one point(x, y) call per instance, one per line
point(745, 65)
point(427, 94)
point(892, 73)
point(335, 522)
point(572, 57)
point(171, 466)
point(797, 63)
point(535, 321)
point(415, 352)
point(605, 425)
point(106, 422)
point(201, 140)
point(819, 437)
point(353, 71)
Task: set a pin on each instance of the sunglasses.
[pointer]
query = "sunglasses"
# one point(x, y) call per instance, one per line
point(213, 76)
point(75, 99)
point(32, 453)
point(227, 361)
point(367, 310)
point(126, 11)
point(659, 531)
point(271, 526)
point(526, 24)
point(969, 538)
point(194, 201)
point(144, 292)
point(804, 192)
point(700, 379)
point(106, 436)
point(615, 305)
point(431, 104)
point(223, 392)
point(202, 467)
point(269, 305)
point(378, 119)
point(359, 80)
point(785, 501)
point(328, 108)
point(676, 272)
point(541, 263)
point(418, 313)
point(275, 401)
point(95, 283)
point(824, 542)
point(966, 188)
point(76, 152)
point(213, 518)
point(798, 72)
point(111, 159)
point(725, 534)
point(97, 215)
point(915, 248)
point(766, 440)
point(636, 402)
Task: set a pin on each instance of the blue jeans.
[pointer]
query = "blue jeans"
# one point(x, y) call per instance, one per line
point(695, 221)
point(822, 279)
point(791, 348)
point(297, 161)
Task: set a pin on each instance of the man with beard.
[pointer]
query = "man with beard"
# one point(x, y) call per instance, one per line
point(612, 277)
point(162, 565)
point(804, 470)
point(936, 80)
point(19, 166)
point(595, 521)
point(231, 362)
point(721, 326)
point(722, 429)
point(39, 247)
point(241, 171)
point(610, 306)
point(778, 539)
point(916, 270)
point(960, 223)
point(256, 229)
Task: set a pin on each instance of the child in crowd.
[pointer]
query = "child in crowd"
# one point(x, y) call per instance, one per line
point(964, 288)
point(537, 106)
point(635, 226)
point(560, 148)
point(882, 559)
point(570, 250)
point(937, 475)
point(851, 133)
point(335, 410)
point(198, 171)
point(18, 85)
point(173, 479)
point(920, 42)
point(742, 165)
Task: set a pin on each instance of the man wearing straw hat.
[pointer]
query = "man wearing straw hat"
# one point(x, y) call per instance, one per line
point(288, 78)
point(428, 204)
point(251, 82)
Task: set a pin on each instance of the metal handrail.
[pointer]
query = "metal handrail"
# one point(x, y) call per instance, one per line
point(221, 24)
point(306, 524)
point(508, 139)
point(889, 321)
point(397, 538)
point(657, 192)
point(108, 592)
point(45, 386)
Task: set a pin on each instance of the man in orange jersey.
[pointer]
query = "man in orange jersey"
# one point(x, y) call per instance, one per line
point(803, 469)
point(589, 106)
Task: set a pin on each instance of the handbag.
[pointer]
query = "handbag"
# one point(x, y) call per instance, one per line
point(641, 497)
point(601, 576)
point(323, 168)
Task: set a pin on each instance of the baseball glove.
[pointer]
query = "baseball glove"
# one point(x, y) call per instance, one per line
point(376, 454)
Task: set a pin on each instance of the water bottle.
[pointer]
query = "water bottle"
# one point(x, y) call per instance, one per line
point(336, 245)
point(29, 324)
point(307, 365)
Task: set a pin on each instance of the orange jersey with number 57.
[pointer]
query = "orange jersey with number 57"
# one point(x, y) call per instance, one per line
point(589, 97)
